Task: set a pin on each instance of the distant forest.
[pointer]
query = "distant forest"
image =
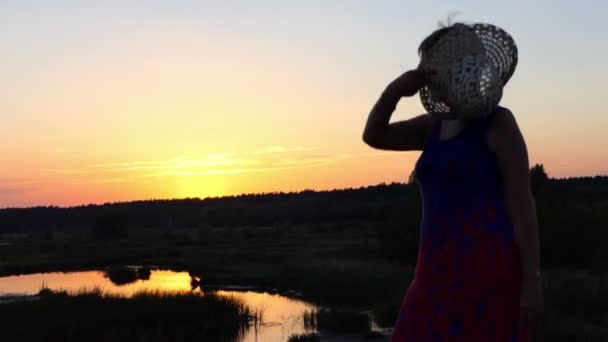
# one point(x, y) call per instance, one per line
point(572, 212)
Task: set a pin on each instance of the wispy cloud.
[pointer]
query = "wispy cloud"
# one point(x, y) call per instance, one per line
point(294, 161)
point(236, 170)
point(280, 149)
point(271, 158)
point(101, 180)
point(219, 155)
point(182, 164)
point(66, 171)
point(143, 163)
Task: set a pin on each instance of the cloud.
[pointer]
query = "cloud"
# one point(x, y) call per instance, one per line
point(305, 161)
point(280, 149)
point(219, 155)
point(66, 171)
point(143, 163)
point(268, 159)
point(272, 158)
point(100, 181)
point(236, 170)
point(184, 164)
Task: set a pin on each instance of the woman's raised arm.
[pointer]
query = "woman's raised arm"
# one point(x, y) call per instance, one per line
point(403, 135)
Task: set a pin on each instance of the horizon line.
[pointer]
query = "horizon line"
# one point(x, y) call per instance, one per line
point(255, 194)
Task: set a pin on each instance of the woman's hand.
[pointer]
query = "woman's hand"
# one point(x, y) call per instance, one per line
point(409, 83)
point(531, 307)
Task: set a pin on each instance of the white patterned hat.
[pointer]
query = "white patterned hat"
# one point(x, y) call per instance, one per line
point(472, 64)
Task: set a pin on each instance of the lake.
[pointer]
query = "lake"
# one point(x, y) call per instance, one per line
point(282, 314)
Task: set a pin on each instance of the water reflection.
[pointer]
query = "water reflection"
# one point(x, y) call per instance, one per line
point(161, 280)
point(122, 275)
point(281, 316)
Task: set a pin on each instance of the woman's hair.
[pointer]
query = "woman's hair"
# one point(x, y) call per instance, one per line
point(434, 37)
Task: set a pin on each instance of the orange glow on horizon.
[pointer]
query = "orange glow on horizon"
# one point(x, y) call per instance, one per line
point(274, 168)
point(126, 109)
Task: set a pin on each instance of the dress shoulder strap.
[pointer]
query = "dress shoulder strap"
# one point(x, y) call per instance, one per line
point(435, 130)
point(487, 120)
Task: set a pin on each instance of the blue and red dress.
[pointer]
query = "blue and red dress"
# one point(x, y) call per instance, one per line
point(467, 279)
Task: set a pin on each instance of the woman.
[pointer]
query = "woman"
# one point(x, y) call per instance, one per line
point(478, 275)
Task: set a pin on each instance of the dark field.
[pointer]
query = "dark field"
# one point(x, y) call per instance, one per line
point(350, 250)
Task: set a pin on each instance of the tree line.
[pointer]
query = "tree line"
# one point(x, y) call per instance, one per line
point(572, 214)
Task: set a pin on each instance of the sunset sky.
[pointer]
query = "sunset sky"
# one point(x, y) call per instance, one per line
point(107, 101)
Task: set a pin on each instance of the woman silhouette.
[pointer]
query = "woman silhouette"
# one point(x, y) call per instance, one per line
point(477, 275)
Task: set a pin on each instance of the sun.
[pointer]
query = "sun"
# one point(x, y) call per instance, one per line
point(201, 186)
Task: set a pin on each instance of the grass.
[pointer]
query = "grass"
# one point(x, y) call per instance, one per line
point(336, 282)
point(337, 321)
point(385, 311)
point(575, 328)
point(330, 269)
point(147, 316)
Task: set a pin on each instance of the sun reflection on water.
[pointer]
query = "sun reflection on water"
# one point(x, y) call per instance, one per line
point(281, 316)
point(160, 280)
